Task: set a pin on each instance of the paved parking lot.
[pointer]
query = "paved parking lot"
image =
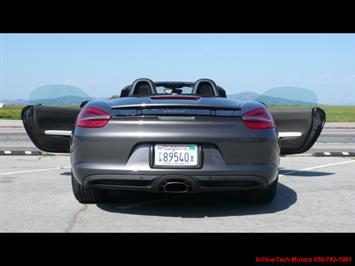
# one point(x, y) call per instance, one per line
point(315, 194)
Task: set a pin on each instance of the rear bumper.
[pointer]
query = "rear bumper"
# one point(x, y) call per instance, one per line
point(247, 178)
point(118, 156)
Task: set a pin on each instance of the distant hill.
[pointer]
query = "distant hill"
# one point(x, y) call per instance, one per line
point(289, 96)
point(64, 100)
point(268, 100)
point(76, 100)
point(56, 91)
point(15, 101)
point(70, 95)
point(58, 94)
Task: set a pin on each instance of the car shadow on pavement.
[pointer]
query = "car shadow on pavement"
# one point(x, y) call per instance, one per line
point(288, 172)
point(201, 205)
point(66, 173)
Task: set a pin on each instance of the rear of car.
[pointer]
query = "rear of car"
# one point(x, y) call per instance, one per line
point(173, 137)
point(175, 144)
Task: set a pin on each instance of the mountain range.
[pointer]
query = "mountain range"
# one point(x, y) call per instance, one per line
point(59, 101)
point(268, 100)
point(76, 100)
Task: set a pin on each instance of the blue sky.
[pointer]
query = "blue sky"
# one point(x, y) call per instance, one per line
point(101, 64)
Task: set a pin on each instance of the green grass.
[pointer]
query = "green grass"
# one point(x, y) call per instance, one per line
point(340, 113)
point(11, 112)
point(334, 113)
point(14, 111)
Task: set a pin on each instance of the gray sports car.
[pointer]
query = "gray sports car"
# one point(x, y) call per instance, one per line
point(173, 137)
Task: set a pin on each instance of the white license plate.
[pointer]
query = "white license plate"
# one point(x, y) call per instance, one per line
point(176, 155)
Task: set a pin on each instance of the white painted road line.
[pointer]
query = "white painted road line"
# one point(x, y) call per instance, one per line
point(36, 170)
point(289, 134)
point(334, 154)
point(58, 132)
point(317, 167)
point(17, 152)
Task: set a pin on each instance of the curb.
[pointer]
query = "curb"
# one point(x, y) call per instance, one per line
point(334, 154)
point(20, 153)
point(345, 128)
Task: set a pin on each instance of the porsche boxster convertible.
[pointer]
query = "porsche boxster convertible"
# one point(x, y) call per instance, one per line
point(173, 137)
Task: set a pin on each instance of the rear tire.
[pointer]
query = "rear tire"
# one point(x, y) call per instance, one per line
point(87, 194)
point(265, 195)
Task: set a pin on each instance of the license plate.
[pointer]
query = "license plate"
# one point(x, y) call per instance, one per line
point(176, 155)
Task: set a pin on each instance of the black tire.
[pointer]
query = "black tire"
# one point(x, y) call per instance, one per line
point(264, 195)
point(87, 194)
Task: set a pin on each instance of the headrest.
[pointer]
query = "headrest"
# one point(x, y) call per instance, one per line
point(142, 87)
point(205, 87)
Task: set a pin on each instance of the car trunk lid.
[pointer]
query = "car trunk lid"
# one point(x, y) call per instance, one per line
point(179, 105)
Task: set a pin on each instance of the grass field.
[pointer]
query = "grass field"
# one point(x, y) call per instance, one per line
point(14, 111)
point(334, 113)
point(340, 113)
point(10, 112)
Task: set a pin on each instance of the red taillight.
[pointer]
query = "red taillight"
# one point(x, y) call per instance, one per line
point(259, 118)
point(92, 117)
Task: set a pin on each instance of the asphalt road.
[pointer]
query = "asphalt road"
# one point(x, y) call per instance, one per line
point(316, 194)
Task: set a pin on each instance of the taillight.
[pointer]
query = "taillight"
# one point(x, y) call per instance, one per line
point(259, 118)
point(92, 117)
